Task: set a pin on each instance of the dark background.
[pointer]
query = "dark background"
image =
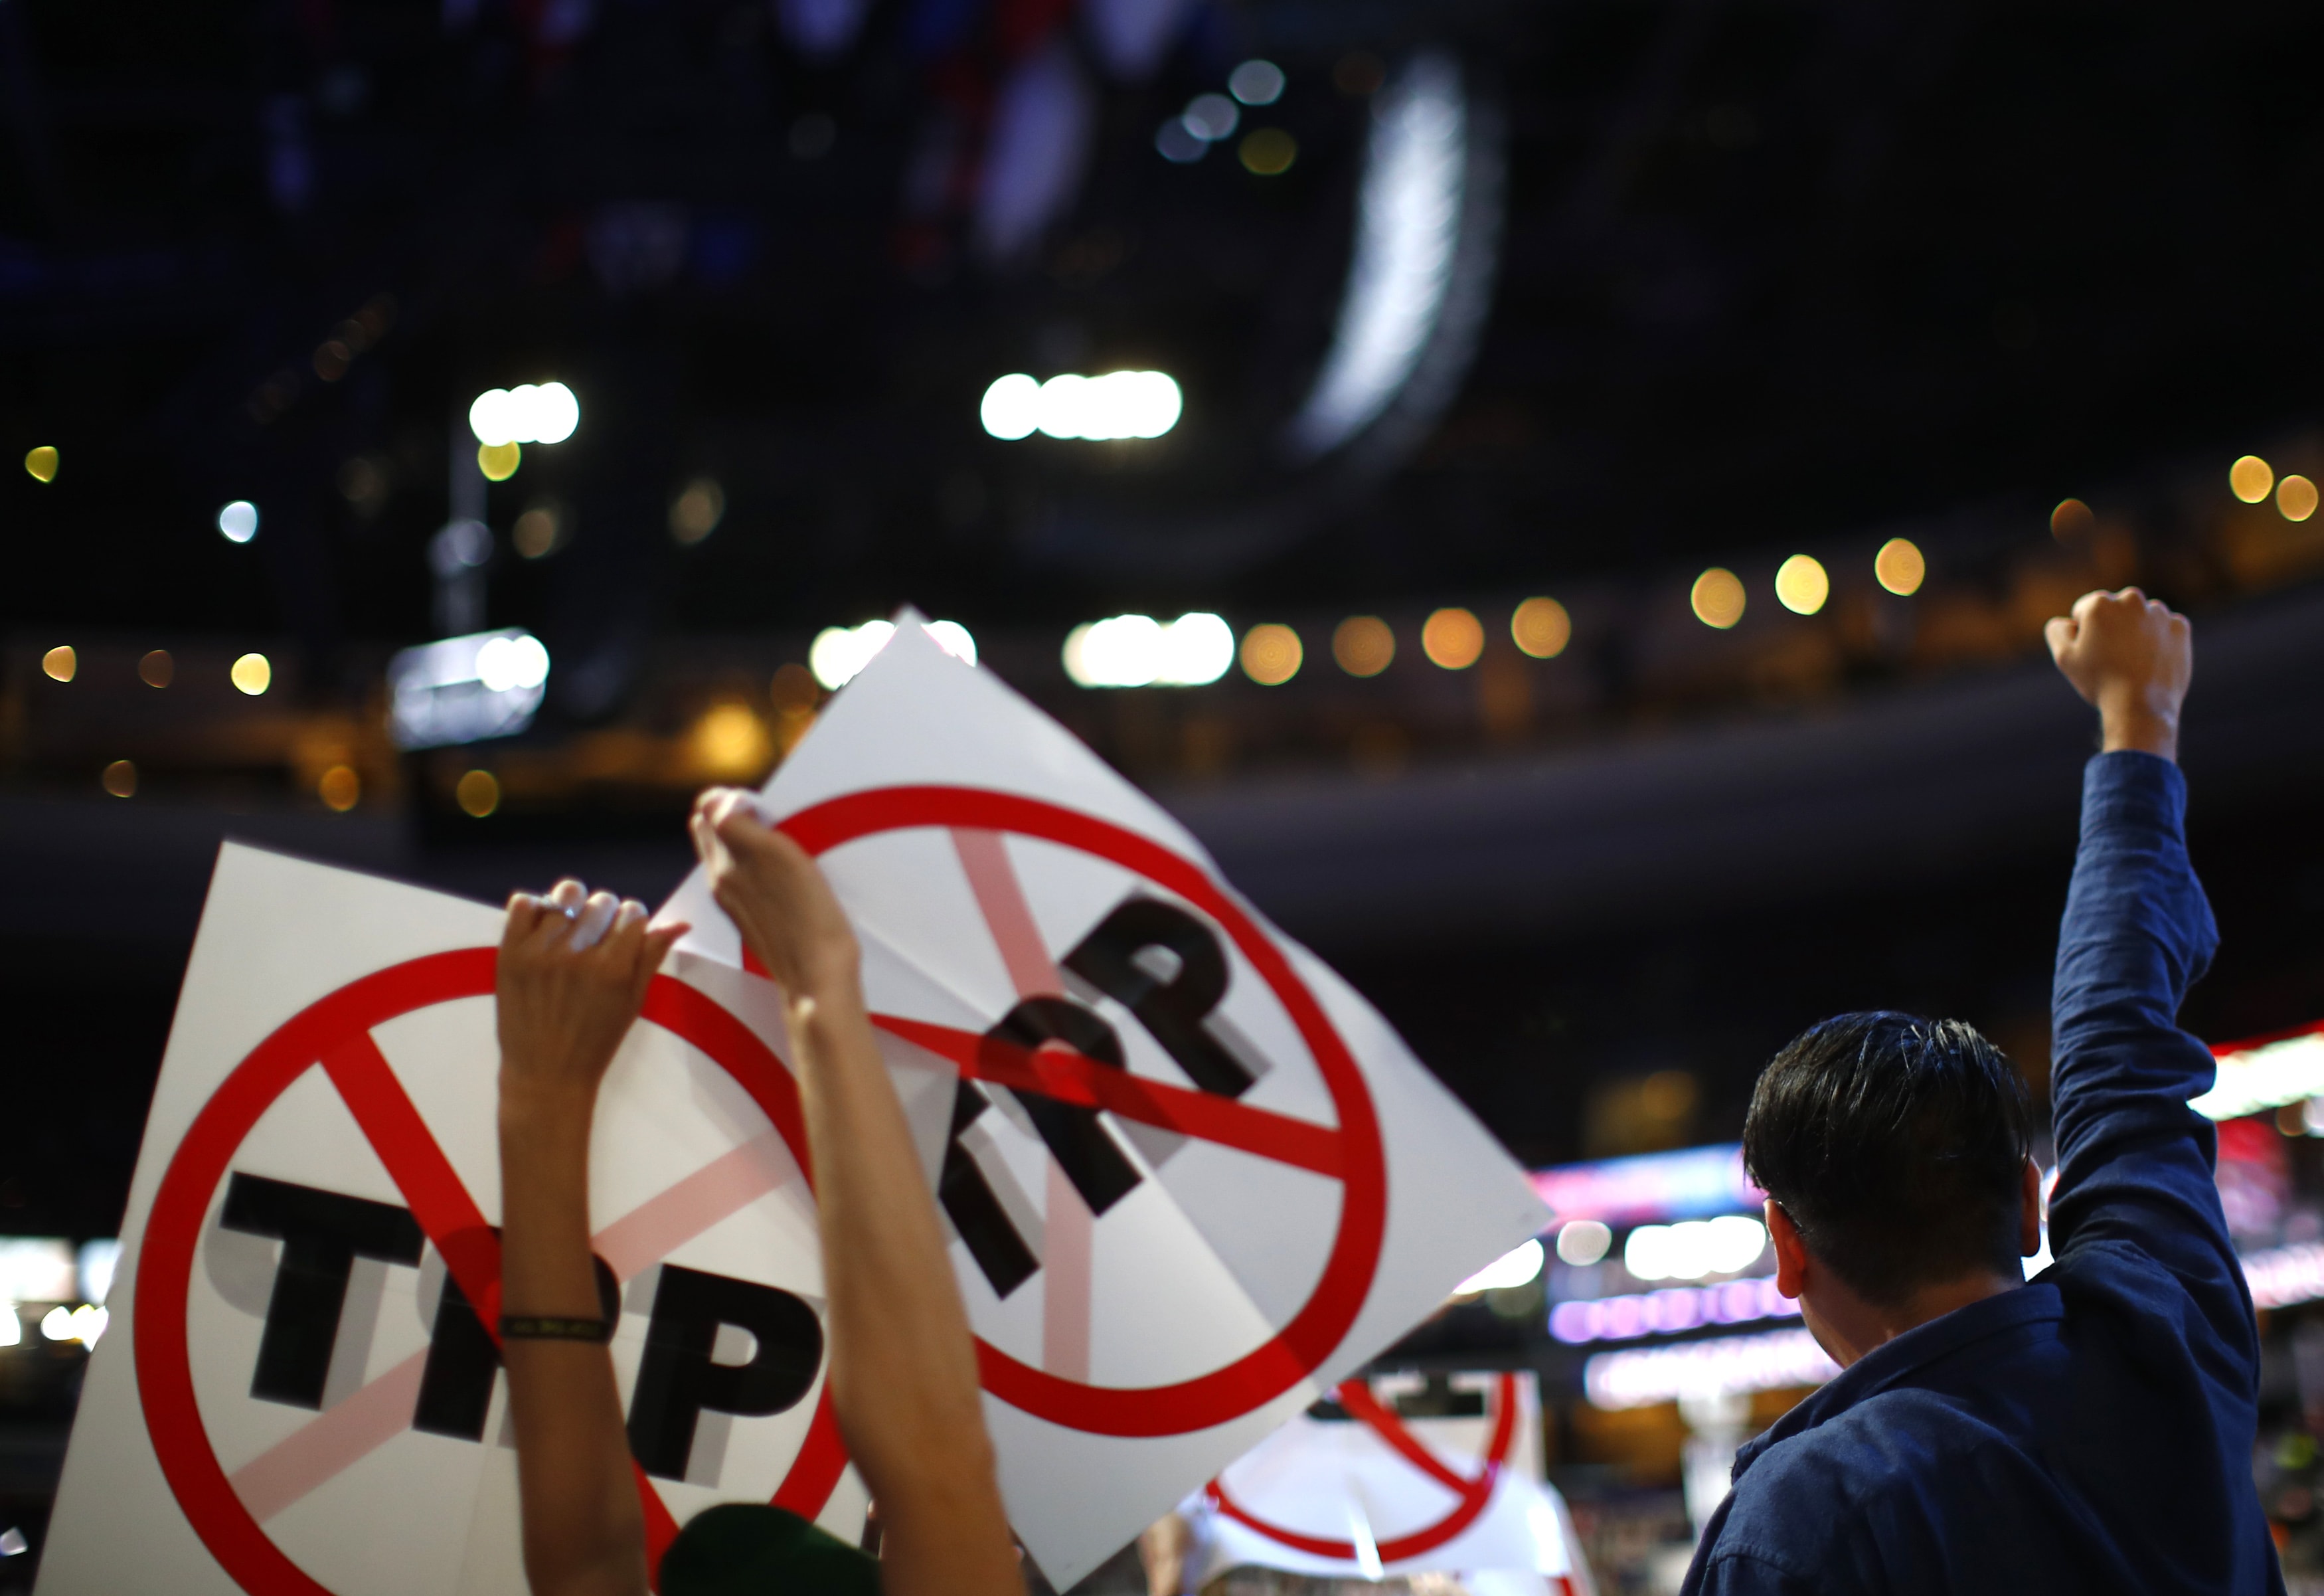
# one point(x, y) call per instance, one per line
point(1770, 275)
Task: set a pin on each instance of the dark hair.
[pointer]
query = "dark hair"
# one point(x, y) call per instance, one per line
point(1895, 1144)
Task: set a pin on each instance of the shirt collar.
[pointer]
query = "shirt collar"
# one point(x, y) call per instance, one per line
point(1891, 1363)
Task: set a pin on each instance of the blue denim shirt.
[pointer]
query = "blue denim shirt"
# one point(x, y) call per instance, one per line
point(2092, 1431)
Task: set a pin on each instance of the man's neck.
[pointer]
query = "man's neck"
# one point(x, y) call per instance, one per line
point(1846, 1326)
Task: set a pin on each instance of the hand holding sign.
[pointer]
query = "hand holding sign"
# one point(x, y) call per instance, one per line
point(766, 884)
point(571, 976)
point(302, 1394)
point(1192, 1180)
point(573, 970)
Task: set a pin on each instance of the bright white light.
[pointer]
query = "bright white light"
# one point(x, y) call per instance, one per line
point(1196, 650)
point(1583, 1241)
point(490, 418)
point(1138, 651)
point(12, 1328)
point(13, 1543)
point(546, 413)
point(1121, 652)
point(1407, 231)
point(507, 662)
point(1694, 1247)
point(238, 521)
point(1211, 116)
point(1256, 83)
point(1117, 405)
point(952, 638)
point(1012, 406)
point(35, 1269)
point(556, 413)
point(839, 652)
point(1059, 411)
point(84, 1324)
point(1520, 1265)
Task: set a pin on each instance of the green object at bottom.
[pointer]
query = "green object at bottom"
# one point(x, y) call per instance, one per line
point(739, 1549)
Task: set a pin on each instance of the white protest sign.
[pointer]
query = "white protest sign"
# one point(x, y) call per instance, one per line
point(1355, 1489)
point(1193, 1179)
point(294, 1397)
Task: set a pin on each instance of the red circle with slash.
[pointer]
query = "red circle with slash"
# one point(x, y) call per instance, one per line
point(1471, 1494)
point(325, 1033)
point(1353, 1152)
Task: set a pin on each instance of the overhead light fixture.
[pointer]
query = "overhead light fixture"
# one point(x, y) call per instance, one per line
point(1139, 651)
point(1116, 406)
point(465, 689)
point(546, 412)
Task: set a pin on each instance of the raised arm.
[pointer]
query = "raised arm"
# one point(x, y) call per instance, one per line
point(2135, 1161)
point(573, 972)
point(903, 1363)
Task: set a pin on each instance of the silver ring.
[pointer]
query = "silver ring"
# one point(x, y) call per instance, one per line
point(573, 912)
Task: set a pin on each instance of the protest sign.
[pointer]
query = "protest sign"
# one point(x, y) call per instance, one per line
point(296, 1394)
point(1354, 1489)
point(1193, 1179)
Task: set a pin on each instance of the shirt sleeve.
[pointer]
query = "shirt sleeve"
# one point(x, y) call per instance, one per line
point(2134, 1162)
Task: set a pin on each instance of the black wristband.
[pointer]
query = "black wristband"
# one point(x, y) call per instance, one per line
point(539, 1327)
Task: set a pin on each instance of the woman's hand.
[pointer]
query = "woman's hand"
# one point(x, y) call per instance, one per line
point(775, 896)
point(573, 972)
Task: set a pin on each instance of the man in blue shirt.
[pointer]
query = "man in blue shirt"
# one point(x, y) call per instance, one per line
point(2090, 1430)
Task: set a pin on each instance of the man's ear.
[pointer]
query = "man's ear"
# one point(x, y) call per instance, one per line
point(2029, 1219)
point(1792, 1261)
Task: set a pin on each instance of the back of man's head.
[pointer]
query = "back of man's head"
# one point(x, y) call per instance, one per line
point(1897, 1146)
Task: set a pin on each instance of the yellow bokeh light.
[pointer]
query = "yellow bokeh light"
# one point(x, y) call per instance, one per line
point(1717, 598)
point(1269, 152)
point(41, 464)
point(1802, 586)
point(731, 741)
point(2295, 496)
point(499, 461)
point(1272, 654)
point(1900, 568)
point(252, 674)
point(156, 670)
point(340, 788)
point(478, 793)
point(59, 663)
point(1541, 628)
point(1363, 645)
point(1453, 638)
point(2251, 477)
point(121, 778)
